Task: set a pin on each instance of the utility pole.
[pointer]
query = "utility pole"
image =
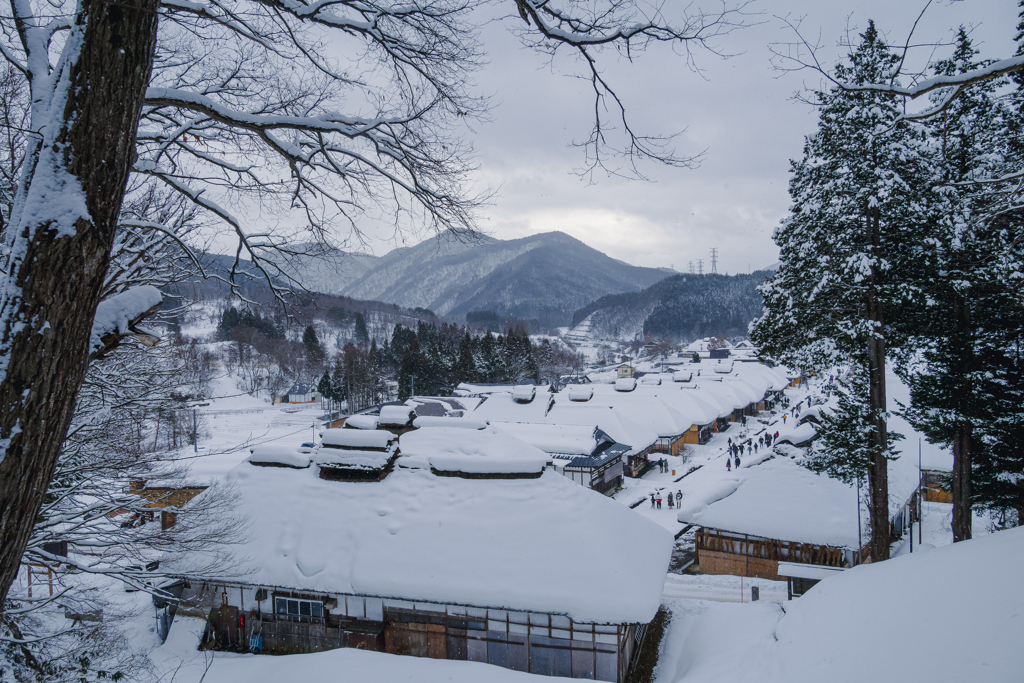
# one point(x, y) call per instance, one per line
point(195, 439)
point(700, 266)
point(714, 260)
point(412, 390)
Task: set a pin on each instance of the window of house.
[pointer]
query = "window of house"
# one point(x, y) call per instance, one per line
point(303, 611)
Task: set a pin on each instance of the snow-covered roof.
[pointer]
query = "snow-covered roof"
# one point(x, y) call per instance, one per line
point(478, 451)
point(686, 402)
point(580, 392)
point(553, 438)
point(625, 384)
point(396, 415)
point(777, 498)
point(467, 389)
point(682, 376)
point(643, 406)
point(361, 422)
point(501, 408)
point(524, 393)
point(418, 536)
point(427, 421)
point(276, 455)
point(607, 419)
point(357, 438)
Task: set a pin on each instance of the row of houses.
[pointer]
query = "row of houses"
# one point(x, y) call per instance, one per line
point(599, 433)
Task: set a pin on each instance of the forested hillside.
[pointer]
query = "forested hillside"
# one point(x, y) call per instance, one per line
point(683, 307)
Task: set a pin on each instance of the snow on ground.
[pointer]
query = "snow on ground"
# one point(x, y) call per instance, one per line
point(234, 421)
point(178, 660)
point(949, 614)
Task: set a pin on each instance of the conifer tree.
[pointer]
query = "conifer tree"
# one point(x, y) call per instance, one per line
point(360, 333)
point(951, 361)
point(325, 387)
point(465, 365)
point(854, 227)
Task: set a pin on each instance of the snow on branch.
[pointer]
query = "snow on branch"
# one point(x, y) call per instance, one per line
point(118, 317)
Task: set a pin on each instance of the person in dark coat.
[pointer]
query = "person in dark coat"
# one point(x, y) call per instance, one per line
point(728, 464)
point(652, 501)
point(737, 462)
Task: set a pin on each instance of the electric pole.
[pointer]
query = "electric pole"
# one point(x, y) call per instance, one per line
point(714, 260)
point(691, 268)
point(700, 266)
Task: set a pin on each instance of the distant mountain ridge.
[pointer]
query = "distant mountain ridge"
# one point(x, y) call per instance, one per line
point(544, 277)
point(684, 307)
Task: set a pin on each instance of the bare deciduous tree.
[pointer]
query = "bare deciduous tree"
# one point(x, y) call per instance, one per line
point(298, 113)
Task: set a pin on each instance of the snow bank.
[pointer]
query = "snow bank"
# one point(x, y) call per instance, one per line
point(950, 614)
point(347, 665)
point(543, 544)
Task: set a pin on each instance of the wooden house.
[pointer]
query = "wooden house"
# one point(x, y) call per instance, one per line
point(495, 569)
point(774, 510)
point(625, 371)
point(166, 499)
point(302, 392)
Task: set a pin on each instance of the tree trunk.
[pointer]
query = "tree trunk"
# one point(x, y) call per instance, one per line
point(878, 472)
point(962, 486)
point(55, 277)
point(962, 438)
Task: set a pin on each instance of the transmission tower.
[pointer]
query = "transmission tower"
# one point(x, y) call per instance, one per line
point(692, 271)
point(700, 266)
point(714, 260)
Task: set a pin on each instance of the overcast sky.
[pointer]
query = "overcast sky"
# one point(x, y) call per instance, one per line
point(739, 110)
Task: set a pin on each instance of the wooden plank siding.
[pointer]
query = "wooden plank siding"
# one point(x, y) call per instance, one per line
point(721, 553)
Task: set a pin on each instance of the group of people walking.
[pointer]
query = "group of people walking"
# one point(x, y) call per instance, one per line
point(673, 501)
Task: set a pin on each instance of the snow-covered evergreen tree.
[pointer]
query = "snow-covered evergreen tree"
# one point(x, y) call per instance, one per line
point(952, 362)
point(854, 228)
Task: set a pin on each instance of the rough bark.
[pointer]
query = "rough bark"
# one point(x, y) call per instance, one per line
point(962, 530)
point(962, 437)
point(878, 472)
point(56, 287)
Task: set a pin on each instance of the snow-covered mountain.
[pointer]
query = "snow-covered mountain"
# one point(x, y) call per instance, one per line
point(544, 277)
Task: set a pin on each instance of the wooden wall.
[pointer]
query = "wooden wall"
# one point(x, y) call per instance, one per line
point(715, 562)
